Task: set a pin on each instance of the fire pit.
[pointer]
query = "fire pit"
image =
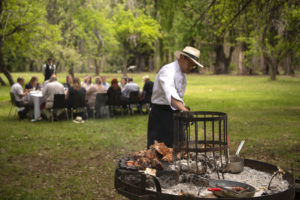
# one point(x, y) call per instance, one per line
point(195, 168)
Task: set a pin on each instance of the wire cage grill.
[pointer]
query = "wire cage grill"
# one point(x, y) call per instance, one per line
point(201, 139)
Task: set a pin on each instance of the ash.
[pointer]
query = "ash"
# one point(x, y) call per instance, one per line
point(257, 179)
point(186, 184)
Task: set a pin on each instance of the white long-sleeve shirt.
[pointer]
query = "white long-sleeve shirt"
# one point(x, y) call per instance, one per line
point(169, 82)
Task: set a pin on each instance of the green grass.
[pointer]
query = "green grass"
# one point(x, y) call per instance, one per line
point(65, 160)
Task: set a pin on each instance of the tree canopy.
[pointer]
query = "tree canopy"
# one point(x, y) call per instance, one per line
point(104, 35)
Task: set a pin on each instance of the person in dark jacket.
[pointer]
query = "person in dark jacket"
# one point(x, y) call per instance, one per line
point(75, 90)
point(33, 84)
point(49, 69)
point(147, 90)
point(114, 91)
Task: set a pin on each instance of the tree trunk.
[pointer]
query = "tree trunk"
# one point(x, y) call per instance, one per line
point(265, 65)
point(151, 63)
point(241, 66)
point(31, 66)
point(219, 60)
point(162, 53)
point(156, 56)
point(170, 57)
point(125, 60)
point(57, 67)
point(243, 70)
point(71, 70)
point(287, 65)
point(142, 63)
point(228, 60)
point(272, 63)
point(2, 82)
point(137, 61)
point(273, 68)
point(3, 67)
point(96, 67)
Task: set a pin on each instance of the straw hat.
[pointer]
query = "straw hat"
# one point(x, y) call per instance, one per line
point(78, 120)
point(146, 77)
point(190, 52)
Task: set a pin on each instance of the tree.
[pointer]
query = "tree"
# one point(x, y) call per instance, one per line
point(274, 34)
point(22, 24)
point(134, 30)
point(95, 33)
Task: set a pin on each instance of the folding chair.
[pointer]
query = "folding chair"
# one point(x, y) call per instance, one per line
point(13, 104)
point(59, 102)
point(79, 104)
point(114, 101)
point(101, 102)
point(133, 101)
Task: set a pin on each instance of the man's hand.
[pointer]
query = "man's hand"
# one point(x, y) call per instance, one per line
point(178, 104)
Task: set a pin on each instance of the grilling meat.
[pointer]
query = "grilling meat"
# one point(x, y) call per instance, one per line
point(130, 163)
point(152, 157)
point(162, 148)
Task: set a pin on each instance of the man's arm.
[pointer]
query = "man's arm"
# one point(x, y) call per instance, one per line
point(167, 82)
point(178, 104)
point(20, 92)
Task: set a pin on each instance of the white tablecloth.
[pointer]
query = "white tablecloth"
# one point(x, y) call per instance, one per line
point(36, 97)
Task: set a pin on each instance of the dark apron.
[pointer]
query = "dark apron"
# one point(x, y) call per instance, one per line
point(161, 125)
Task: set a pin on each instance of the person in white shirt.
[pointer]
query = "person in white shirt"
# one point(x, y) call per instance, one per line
point(48, 69)
point(104, 83)
point(52, 88)
point(168, 91)
point(130, 87)
point(17, 91)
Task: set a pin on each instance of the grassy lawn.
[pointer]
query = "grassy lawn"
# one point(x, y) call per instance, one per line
point(64, 160)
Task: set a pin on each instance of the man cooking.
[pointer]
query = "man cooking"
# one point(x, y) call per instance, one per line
point(168, 91)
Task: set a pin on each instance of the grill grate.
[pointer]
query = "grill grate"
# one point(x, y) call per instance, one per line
point(199, 136)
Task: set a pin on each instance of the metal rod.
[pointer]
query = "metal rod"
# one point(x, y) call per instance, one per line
point(205, 144)
point(196, 145)
point(214, 153)
point(220, 147)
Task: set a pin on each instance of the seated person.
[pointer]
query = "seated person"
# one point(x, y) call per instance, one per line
point(147, 90)
point(33, 84)
point(53, 87)
point(114, 91)
point(17, 91)
point(129, 87)
point(93, 91)
point(123, 82)
point(76, 89)
point(114, 96)
point(69, 81)
point(104, 83)
point(87, 82)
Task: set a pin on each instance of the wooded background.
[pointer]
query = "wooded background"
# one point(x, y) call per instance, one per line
point(234, 36)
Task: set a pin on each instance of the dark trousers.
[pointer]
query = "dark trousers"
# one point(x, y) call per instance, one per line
point(160, 125)
point(22, 114)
